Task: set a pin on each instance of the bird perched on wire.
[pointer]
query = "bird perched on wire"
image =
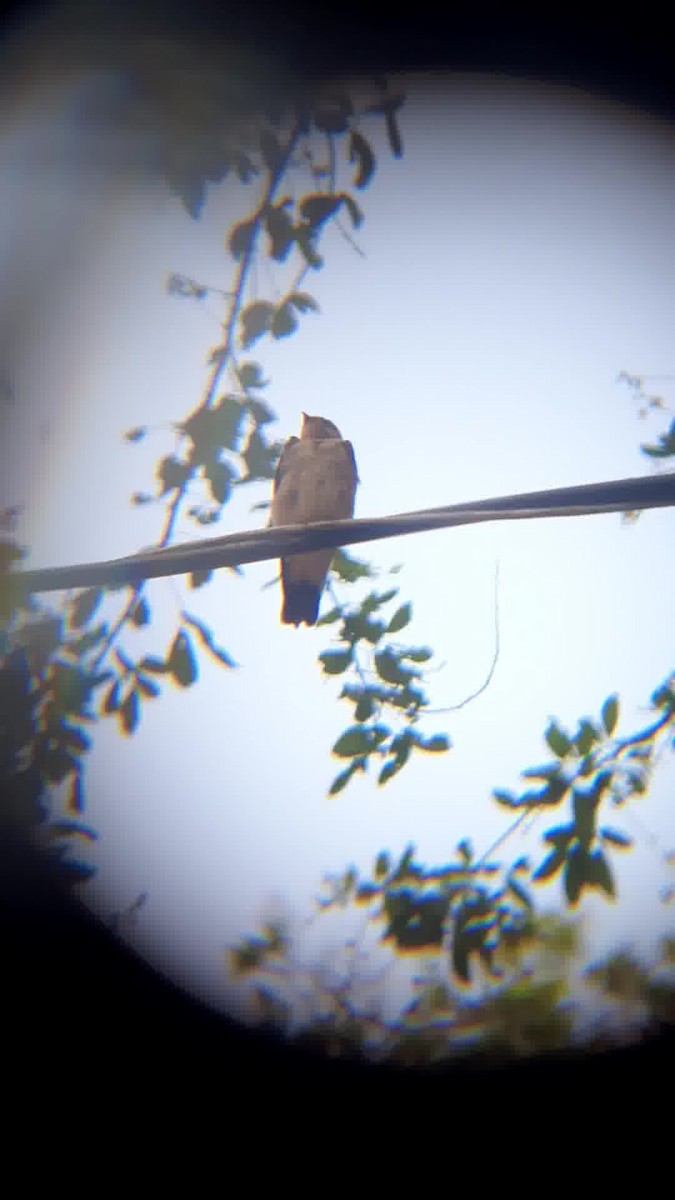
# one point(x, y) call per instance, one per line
point(315, 480)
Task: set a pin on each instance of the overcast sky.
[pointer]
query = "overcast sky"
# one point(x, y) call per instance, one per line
point(516, 259)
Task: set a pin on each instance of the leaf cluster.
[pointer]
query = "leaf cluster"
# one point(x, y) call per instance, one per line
point(384, 684)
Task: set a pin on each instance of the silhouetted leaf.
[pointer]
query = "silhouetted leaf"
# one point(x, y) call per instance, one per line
point(72, 687)
point(353, 209)
point(666, 446)
point(303, 302)
point(664, 697)
point(250, 375)
point(520, 893)
point(281, 232)
point(521, 864)
point(330, 617)
point(419, 655)
point(506, 798)
point(75, 738)
point(240, 239)
point(375, 600)
point(335, 662)
point(600, 874)
point(340, 782)
point(390, 768)
point(400, 619)
point(615, 838)
point(550, 866)
point(318, 208)
point(148, 687)
point(434, 745)
point(610, 714)
point(135, 435)
point(157, 666)
point(219, 476)
point(130, 712)
point(558, 741)
point(192, 192)
point(382, 865)
point(141, 613)
point(586, 737)
point(84, 606)
point(260, 457)
point(172, 473)
point(255, 320)
point(576, 873)
point(560, 835)
point(261, 413)
point(547, 772)
point(365, 708)
point(181, 660)
point(460, 957)
point(348, 568)
point(359, 740)
point(357, 626)
point(76, 798)
point(389, 668)
point(305, 241)
point(361, 153)
point(198, 578)
point(215, 429)
point(366, 892)
point(284, 322)
point(584, 806)
point(205, 635)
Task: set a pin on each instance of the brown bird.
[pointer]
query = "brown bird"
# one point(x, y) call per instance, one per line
point(315, 480)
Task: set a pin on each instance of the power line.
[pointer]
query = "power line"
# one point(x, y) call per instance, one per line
point(592, 499)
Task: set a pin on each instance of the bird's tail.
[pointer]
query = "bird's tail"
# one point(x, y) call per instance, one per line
point(301, 603)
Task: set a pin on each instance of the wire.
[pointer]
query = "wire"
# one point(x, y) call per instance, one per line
point(657, 491)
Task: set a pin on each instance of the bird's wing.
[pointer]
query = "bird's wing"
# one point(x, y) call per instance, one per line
point(283, 509)
point(285, 459)
point(349, 449)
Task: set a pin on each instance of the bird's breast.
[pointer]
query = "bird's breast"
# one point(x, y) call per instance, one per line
point(320, 485)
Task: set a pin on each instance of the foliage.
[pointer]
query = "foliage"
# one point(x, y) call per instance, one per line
point(477, 918)
point(648, 403)
point(301, 164)
point(42, 740)
point(543, 1000)
point(383, 677)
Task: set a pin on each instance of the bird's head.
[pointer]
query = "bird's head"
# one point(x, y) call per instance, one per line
point(318, 428)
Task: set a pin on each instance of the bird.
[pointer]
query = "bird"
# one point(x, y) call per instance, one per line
point(315, 480)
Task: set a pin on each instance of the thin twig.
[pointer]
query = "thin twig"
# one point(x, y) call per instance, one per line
point(520, 820)
point(488, 678)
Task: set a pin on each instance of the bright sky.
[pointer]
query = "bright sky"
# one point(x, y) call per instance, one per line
point(516, 259)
